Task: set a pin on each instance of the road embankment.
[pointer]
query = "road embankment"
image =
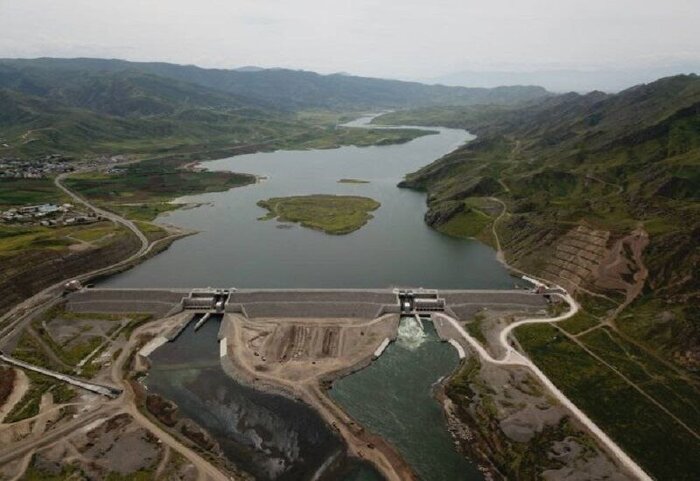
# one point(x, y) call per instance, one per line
point(25, 275)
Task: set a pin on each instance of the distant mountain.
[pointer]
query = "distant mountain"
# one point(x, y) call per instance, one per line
point(274, 88)
point(82, 106)
point(566, 80)
point(248, 68)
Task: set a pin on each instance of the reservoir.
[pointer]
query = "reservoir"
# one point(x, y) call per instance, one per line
point(271, 436)
point(396, 248)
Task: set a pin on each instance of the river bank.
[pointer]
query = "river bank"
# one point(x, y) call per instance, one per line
point(271, 436)
point(310, 381)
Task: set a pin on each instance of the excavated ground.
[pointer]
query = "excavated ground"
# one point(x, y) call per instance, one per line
point(292, 349)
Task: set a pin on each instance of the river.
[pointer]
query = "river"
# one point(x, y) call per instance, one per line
point(404, 410)
point(276, 438)
point(270, 436)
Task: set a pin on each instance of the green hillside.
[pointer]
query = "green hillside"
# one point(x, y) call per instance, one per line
point(602, 195)
point(280, 88)
point(88, 107)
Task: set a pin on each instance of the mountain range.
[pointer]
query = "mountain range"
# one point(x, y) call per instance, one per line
point(566, 80)
point(80, 106)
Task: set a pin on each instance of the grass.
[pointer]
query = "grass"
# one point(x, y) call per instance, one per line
point(29, 350)
point(581, 321)
point(332, 214)
point(467, 224)
point(649, 435)
point(7, 381)
point(95, 232)
point(67, 472)
point(334, 137)
point(456, 117)
point(144, 212)
point(474, 329)
point(154, 180)
point(516, 460)
point(662, 325)
point(17, 192)
point(151, 231)
point(657, 380)
point(19, 238)
point(29, 405)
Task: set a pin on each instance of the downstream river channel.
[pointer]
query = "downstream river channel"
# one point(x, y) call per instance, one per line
point(276, 438)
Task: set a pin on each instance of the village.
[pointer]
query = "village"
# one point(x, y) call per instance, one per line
point(54, 164)
point(13, 168)
point(47, 215)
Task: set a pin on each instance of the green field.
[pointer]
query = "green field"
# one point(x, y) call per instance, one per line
point(332, 214)
point(652, 437)
point(17, 192)
point(467, 224)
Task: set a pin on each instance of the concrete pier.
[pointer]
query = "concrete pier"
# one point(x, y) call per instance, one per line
point(201, 322)
point(458, 347)
point(382, 347)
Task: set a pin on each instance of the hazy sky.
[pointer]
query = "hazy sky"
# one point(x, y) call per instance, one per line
point(391, 38)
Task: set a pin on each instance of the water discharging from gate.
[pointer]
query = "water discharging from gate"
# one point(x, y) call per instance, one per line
point(404, 410)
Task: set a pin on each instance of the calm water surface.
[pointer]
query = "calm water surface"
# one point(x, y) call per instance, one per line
point(235, 249)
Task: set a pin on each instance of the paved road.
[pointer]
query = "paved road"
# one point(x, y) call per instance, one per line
point(514, 358)
point(14, 318)
point(58, 180)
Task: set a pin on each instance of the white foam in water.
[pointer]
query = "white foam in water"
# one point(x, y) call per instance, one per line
point(411, 333)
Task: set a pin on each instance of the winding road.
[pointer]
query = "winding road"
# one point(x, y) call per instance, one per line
point(58, 181)
point(514, 358)
point(14, 318)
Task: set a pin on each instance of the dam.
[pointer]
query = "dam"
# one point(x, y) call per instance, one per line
point(248, 364)
point(265, 350)
point(300, 303)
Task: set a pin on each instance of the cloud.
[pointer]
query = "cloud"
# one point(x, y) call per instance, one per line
point(374, 37)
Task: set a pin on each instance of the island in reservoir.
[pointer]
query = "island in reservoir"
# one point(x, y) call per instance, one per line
point(353, 181)
point(332, 214)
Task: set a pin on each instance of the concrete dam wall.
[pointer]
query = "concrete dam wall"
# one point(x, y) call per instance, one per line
point(302, 303)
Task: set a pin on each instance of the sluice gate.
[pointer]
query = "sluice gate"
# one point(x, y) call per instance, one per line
point(413, 302)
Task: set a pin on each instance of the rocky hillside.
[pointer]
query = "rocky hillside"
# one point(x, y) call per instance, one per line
point(602, 194)
point(24, 275)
